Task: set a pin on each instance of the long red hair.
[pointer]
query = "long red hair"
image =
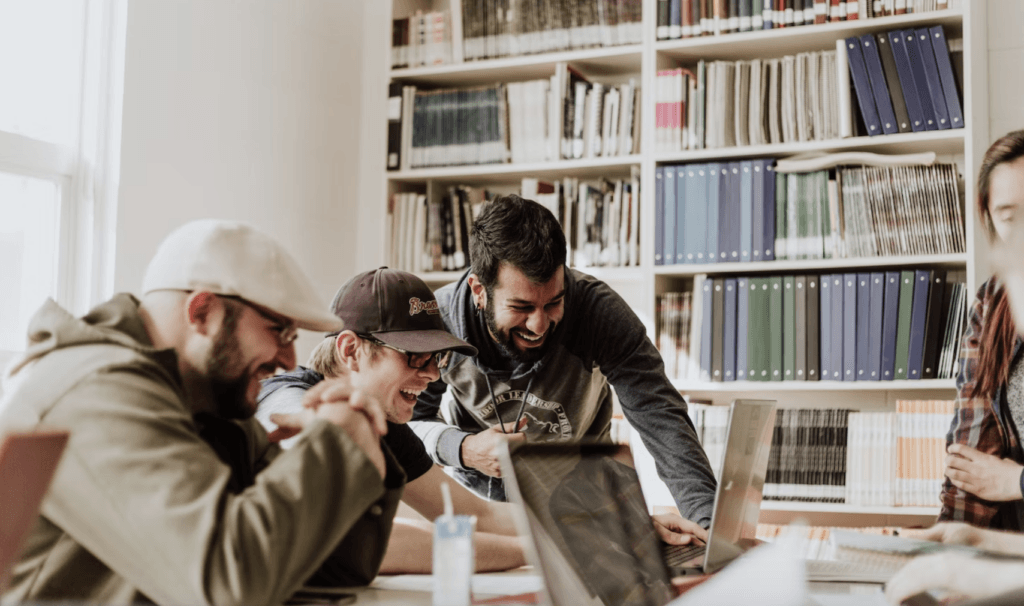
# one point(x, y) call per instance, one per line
point(998, 332)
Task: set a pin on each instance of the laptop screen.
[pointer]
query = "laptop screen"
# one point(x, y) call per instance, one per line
point(590, 525)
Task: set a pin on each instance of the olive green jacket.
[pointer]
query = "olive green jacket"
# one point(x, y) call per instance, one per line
point(142, 508)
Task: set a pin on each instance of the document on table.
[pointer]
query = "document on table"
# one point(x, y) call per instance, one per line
point(494, 584)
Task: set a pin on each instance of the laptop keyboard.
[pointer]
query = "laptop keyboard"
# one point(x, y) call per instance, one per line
point(677, 555)
point(838, 570)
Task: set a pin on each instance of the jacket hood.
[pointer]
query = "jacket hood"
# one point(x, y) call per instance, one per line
point(116, 321)
point(300, 377)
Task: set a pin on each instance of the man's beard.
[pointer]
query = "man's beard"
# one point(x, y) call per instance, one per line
point(504, 337)
point(230, 394)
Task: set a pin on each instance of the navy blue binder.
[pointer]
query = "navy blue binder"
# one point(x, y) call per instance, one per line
point(813, 332)
point(711, 230)
point(742, 314)
point(917, 68)
point(659, 215)
point(705, 332)
point(838, 325)
point(875, 321)
point(757, 210)
point(675, 22)
point(746, 192)
point(918, 320)
point(768, 243)
point(945, 67)
point(931, 75)
point(825, 327)
point(863, 326)
point(687, 211)
point(890, 318)
point(669, 250)
point(862, 86)
point(849, 327)
point(906, 74)
point(879, 90)
point(729, 325)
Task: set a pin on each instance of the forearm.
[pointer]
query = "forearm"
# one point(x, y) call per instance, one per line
point(410, 550)
point(497, 520)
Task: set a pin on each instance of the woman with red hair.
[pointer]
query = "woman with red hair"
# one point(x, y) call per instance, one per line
point(984, 468)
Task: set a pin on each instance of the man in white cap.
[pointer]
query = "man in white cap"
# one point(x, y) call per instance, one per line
point(169, 489)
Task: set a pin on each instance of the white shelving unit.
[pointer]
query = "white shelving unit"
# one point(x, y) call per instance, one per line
point(640, 285)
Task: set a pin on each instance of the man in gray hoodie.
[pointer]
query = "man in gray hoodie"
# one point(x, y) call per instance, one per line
point(552, 342)
point(169, 489)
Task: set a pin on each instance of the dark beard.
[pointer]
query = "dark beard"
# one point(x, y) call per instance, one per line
point(230, 394)
point(504, 338)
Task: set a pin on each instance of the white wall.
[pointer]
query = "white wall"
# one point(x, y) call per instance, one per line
point(1005, 72)
point(243, 110)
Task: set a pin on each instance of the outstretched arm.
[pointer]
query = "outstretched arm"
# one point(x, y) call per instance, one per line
point(410, 550)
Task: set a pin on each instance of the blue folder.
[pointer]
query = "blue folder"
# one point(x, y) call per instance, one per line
point(729, 328)
point(659, 215)
point(862, 86)
point(863, 326)
point(903, 69)
point(945, 67)
point(669, 250)
point(875, 322)
point(918, 319)
point(849, 327)
point(711, 231)
point(931, 75)
point(687, 207)
point(742, 314)
point(879, 89)
point(920, 79)
point(890, 319)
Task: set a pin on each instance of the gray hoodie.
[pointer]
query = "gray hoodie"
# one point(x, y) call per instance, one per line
point(599, 343)
point(144, 505)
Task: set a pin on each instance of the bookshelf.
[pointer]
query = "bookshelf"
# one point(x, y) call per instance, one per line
point(641, 285)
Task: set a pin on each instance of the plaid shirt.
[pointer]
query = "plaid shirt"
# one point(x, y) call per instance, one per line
point(980, 423)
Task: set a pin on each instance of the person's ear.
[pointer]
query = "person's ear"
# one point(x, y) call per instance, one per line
point(478, 290)
point(203, 312)
point(348, 345)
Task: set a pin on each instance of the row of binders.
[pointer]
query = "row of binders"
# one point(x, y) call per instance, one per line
point(904, 80)
point(504, 28)
point(690, 18)
point(421, 39)
point(757, 102)
point(878, 326)
point(565, 116)
point(747, 211)
point(844, 456)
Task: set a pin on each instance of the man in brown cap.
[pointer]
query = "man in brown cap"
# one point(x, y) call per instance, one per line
point(395, 343)
point(169, 490)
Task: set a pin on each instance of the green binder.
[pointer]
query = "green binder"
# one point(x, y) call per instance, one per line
point(775, 328)
point(757, 330)
point(788, 328)
point(903, 324)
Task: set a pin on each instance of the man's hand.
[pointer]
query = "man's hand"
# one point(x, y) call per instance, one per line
point(957, 573)
point(674, 529)
point(983, 475)
point(478, 449)
point(358, 414)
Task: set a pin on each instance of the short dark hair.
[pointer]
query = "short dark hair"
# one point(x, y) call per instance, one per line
point(519, 232)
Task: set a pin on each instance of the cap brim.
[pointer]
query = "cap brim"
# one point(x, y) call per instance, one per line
point(319, 322)
point(423, 341)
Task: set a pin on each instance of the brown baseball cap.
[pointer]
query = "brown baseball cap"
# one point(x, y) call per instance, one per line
point(397, 308)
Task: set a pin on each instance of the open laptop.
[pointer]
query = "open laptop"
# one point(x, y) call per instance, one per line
point(589, 530)
point(27, 463)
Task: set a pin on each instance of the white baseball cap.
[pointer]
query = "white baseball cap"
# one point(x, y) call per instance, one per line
point(234, 259)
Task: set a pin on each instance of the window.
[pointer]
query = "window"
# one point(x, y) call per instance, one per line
point(61, 71)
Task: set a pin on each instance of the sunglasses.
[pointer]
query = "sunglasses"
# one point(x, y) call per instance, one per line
point(417, 361)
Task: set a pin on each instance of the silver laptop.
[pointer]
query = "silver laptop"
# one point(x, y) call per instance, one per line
point(588, 526)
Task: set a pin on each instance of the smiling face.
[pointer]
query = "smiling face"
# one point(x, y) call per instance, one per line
point(521, 314)
point(245, 350)
point(386, 374)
